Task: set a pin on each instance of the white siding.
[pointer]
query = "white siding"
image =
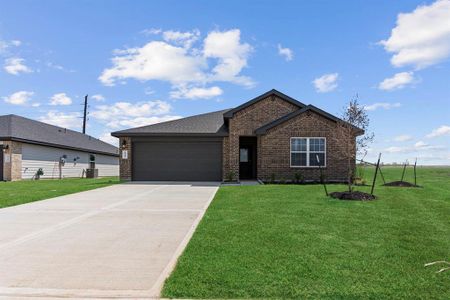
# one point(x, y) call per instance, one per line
point(47, 158)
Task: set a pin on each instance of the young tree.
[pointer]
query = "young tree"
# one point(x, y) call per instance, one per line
point(354, 123)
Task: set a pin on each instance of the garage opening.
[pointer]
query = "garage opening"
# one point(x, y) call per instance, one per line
point(181, 159)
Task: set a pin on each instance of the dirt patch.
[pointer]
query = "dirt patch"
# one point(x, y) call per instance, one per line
point(401, 184)
point(357, 196)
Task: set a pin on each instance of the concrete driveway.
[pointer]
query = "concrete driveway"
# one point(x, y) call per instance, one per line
point(118, 241)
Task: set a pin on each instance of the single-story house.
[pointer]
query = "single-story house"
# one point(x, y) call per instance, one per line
point(270, 136)
point(27, 145)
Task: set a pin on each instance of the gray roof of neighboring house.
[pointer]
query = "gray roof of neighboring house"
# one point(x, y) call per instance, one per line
point(209, 124)
point(18, 128)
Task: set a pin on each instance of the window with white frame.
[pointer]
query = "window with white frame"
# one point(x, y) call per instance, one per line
point(308, 152)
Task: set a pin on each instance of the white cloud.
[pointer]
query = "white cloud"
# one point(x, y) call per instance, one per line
point(383, 105)
point(416, 148)
point(5, 45)
point(420, 144)
point(221, 58)
point(36, 104)
point(149, 91)
point(126, 114)
point(98, 97)
point(421, 38)
point(232, 56)
point(398, 81)
point(108, 138)
point(60, 99)
point(61, 119)
point(394, 149)
point(16, 65)
point(152, 31)
point(287, 53)
point(141, 121)
point(19, 98)
point(58, 67)
point(444, 130)
point(185, 39)
point(155, 61)
point(403, 138)
point(326, 83)
point(196, 93)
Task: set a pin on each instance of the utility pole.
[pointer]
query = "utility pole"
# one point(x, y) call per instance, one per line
point(85, 113)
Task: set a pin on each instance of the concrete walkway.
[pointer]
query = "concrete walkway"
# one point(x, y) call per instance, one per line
point(120, 241)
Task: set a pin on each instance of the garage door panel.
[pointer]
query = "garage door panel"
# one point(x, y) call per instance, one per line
point(177, 160)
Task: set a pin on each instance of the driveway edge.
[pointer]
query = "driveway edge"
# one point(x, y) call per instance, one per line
point(155, 291)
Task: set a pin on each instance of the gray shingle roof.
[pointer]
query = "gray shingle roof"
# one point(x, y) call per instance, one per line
point(213, 124)
point(209, 124)
point(18, 128)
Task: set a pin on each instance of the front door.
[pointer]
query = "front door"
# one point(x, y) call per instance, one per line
point(247, 157)
point(246, 162)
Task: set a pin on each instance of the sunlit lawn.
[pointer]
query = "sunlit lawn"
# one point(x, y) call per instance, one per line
point(19, 192)
point(286, 241)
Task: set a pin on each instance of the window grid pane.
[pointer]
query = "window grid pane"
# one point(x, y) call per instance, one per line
point(317, 144)
point(313, 156)
point(308, 152)
point(298, 145)
point(298, 159)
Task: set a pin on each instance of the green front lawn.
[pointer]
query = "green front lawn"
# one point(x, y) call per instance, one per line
point(19, 192)
point(288, 241)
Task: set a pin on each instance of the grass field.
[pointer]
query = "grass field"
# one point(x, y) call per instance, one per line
point(286, 241)
point(19, 192)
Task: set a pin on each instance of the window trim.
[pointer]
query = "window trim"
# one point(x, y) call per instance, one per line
point(307, 151)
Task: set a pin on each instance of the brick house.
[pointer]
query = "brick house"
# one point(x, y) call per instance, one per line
point(272, 135)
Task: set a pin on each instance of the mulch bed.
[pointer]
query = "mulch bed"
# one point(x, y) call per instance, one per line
point(401, 184)
point(356, 195)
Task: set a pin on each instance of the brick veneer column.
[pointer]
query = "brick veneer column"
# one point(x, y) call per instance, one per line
point(13, 169)
point(125, 164)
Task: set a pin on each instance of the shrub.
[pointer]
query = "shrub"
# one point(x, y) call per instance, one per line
point(39, 173)
point(298, 177)
point(272, 177)
point(230, 176)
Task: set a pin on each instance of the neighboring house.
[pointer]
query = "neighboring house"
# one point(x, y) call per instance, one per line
point(27, 145)
point(272, 135)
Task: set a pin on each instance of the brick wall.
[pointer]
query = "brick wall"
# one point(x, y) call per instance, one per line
point(274, 149)
point(12, 170)
point(125, 164)
point(245, 121)
point(273, 156)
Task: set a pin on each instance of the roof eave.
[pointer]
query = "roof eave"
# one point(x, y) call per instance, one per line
point(230, 114)
point(57, 146)
point(172, 134)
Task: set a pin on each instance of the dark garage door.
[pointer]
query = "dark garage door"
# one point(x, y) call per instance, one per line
point(187, 160)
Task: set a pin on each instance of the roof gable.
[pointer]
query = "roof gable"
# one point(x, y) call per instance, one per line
point(265, 128)
point(22, 129)
point(231, 112)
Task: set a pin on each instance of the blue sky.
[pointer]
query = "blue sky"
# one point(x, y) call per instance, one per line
point(147, 61)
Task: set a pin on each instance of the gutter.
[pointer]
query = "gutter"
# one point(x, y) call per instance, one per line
point(59, 146)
